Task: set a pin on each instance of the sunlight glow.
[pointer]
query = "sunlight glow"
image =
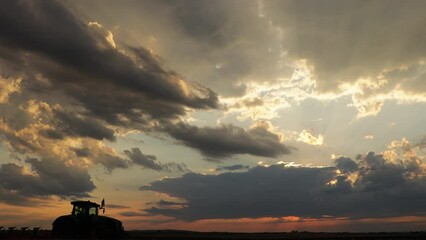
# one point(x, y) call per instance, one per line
point(308, 138)
point(8, 86)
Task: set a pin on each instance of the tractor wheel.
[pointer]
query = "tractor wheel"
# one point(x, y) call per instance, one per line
point(108, 231)
point(65, 230)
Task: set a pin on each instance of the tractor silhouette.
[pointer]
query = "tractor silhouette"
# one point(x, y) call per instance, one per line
point(85, 223)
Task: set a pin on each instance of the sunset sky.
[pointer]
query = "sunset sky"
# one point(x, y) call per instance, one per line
point(222, 115)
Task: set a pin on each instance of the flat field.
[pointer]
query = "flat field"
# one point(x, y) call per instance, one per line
point(190, 235)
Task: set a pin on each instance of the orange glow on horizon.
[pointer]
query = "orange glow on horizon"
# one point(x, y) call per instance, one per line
point(43, 215)
point(278, 224)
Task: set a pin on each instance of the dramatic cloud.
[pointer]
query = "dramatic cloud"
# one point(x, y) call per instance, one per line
point(139, 158)
point(67, 86)
point(264, 100)
point(48, 177)
point(240, 45)
point(229, 45)
point(343, 53)
point(63, 55)
point(68, 124)
point(341, 40)
point(149, 161)
point(38, 129)
point(370, 186)
point(109, 160)
point(227, 140)
point(91, 97)
point(260, 192)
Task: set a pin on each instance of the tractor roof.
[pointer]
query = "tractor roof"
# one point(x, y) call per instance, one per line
point(85, 203)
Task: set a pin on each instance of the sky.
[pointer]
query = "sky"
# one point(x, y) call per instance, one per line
point(215, 115)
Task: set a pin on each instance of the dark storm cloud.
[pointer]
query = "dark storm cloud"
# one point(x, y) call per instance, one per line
point(60, 179)
point(378, 174)
point(52, 178)
point(78, 62)
point(235, 37)
point(381, 189)
point(150, 161)
point(139, 158)
point(228, 140)
point(213, 20)
point(273, 191)
point(221, 43)
point(68, 124)
point(346, 40)
point(232, 167)
point(110, 161)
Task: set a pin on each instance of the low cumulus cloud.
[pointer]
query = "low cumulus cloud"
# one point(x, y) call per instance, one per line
point(372, 185)
point(227, 140)
point(259, 192)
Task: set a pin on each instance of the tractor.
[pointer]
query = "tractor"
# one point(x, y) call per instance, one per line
point(85, 223)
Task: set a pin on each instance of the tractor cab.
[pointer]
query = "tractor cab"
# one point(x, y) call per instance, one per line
point(84, 208)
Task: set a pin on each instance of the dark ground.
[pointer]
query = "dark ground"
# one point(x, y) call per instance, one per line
point(189, 235)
